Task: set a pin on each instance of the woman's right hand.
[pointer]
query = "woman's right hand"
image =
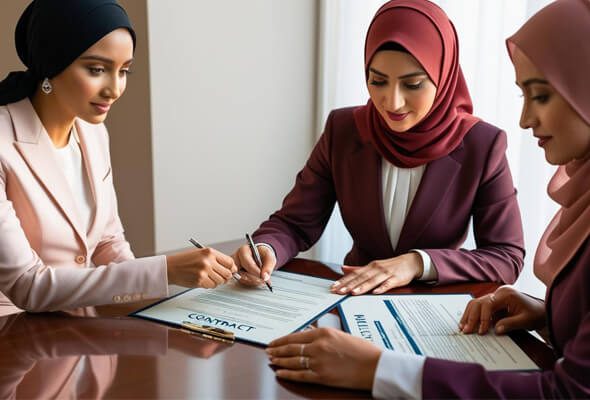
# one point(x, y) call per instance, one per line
point(206, 268)
point(508, 308)
point(251, 274)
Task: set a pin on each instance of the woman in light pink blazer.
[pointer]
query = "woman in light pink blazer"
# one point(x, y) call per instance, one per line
point(61, 241)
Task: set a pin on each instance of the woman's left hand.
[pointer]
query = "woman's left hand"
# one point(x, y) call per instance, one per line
point(327, 356)
point(380, 275)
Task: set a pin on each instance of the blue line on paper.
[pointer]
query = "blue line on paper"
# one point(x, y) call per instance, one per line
point(402, 326)
point(383, 335)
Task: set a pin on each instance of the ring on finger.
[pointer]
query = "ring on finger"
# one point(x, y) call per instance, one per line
point(301, 349)
point(303, 362)
point(307, 363)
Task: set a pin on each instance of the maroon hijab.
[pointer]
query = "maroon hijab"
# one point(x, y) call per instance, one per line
point(553, 39)
point(426, 32)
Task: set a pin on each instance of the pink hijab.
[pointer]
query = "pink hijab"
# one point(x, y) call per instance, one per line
point(425, 31)
point(553, 39)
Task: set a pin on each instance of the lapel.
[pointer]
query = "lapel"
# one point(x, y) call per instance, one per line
point(96, 168)
point(36, 148)
point(365, 164)
point(436, 182)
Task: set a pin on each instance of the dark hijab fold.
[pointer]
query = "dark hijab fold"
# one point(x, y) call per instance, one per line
point(426, 32)
point(51, 34)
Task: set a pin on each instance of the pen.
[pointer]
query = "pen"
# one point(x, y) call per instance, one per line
point(256, 255)
point(198, 245)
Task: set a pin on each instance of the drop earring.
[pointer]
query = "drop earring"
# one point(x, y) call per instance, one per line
point(46, 86)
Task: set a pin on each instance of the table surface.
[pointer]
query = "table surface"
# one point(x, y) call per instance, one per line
point(111, 355)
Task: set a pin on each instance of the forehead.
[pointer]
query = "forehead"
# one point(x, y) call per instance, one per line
point(524, 67)
point(395, 62)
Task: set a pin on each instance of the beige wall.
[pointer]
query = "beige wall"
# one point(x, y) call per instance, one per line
point(233, 88)
point(10, 11)
point(217, 118)
point(129, 125)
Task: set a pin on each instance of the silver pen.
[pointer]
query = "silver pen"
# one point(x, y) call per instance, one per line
point(198, 245)
point(257, 258)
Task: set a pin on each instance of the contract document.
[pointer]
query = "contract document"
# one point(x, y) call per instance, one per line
point(429, 325)
point(253, 314)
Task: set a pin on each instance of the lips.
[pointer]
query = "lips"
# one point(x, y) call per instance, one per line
point(543, 140)
point(101, 107)
point(396, 117)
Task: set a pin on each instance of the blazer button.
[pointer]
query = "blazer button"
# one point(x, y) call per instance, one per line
point(80, 259)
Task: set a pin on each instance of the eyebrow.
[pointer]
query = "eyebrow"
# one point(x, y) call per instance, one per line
point(103, 59)
point(410, 75)
point(533, 81)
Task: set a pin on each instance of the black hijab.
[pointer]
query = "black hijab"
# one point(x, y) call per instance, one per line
point(51, 34)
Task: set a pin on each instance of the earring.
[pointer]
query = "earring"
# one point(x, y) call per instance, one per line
point(46, 86)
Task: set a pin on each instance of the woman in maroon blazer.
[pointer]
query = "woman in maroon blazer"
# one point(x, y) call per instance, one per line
point(554, 80)
point(409, 170)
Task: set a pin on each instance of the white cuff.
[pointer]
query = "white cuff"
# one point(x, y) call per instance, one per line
point(430, 273)
point(398, 375)
point(268, 246)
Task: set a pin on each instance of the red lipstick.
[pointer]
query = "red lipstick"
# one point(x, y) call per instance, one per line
point(543, 140)
point(395, 116)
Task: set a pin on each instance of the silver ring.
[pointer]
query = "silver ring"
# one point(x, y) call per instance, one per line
point(303, 362)
point(301, 349)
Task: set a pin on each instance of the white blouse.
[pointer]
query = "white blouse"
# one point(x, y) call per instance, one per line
point(74, 170)
point(399, 189)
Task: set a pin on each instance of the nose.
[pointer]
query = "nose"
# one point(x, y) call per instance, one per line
point(394, 99)
point(527, 117)
point(114, 87)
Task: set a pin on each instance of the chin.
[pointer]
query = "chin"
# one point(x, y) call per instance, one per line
point(94, 119)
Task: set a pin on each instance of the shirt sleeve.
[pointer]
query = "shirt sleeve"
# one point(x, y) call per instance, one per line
point(430, 273)
point(398, 375)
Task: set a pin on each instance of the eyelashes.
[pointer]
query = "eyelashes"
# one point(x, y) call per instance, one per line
point(410, 86)
point(97, 71)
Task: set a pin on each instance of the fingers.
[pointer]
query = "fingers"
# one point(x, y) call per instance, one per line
point(225, 261)
point(470, 321)
point(350, 282)
point(505, 325)
point(222, 272)
point(389, 284)
point(305, 375)
point(268, 262)
point(479, 313)
point(250, 280)
point(289, 350)
point(245, 260)
point(298, 338)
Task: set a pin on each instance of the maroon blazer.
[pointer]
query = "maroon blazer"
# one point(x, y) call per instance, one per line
point(472, 181)
point(568, 310)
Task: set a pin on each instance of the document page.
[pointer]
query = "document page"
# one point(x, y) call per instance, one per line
point(429, 325)
point(253, 314)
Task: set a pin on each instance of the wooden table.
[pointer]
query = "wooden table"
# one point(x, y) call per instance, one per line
point(102, 353)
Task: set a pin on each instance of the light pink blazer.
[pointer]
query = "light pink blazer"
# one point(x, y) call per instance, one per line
point(47, 261)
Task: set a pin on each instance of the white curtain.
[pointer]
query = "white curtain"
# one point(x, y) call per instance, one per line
point(482, 26)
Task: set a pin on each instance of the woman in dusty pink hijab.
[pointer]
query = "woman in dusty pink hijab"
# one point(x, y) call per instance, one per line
point(551, 58)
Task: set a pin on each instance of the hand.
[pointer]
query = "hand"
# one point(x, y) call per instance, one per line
point(206, 268)
point(507, 307)
point(380, 274)
point(251, 274)
point(327, 356)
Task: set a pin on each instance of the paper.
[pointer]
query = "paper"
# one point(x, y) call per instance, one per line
point(253, 314)
point(428, 325)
